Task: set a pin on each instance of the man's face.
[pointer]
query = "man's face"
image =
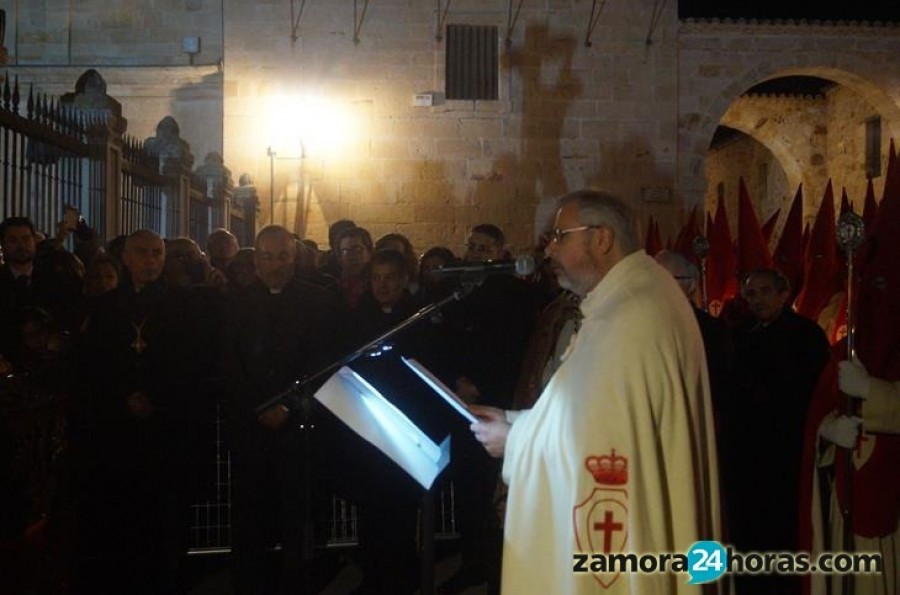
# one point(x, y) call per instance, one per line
point(145, 257)
point(353, 256)
point(764, 299)
point(242, 270)
point(184, 263)
point(19, 245)
point(571, 257)
point(103, 278)
point(388, 284)
point(222, 248)
point(482, 248)
point(275, 254)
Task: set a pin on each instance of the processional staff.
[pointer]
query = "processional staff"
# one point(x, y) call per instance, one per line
point(850, 235)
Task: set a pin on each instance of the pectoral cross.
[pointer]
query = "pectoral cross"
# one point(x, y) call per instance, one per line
point(138, 344)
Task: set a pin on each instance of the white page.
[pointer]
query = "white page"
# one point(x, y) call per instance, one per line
point(359, 405)
point(440, 388)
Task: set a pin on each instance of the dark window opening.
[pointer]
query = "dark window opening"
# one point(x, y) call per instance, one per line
point(472, 62)
point(873, 147)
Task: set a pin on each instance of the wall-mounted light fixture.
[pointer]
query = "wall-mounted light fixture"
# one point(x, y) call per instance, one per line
point(191, 47)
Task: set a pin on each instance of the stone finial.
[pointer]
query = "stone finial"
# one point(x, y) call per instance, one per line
point(91, 99)
point(214, 177)
point(245, 193)
point(174, 152)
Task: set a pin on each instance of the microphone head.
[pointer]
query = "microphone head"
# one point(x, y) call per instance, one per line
point(524, 265)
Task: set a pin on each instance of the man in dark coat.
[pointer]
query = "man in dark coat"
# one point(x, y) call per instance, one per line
point(133, 427)
point(778, 358)
point(17, 241)
point(278, 330)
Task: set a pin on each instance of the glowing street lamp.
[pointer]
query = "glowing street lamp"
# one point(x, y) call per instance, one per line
point(302, 126)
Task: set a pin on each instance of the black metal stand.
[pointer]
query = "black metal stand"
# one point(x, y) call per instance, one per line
point(299, 389)
point(426, 556)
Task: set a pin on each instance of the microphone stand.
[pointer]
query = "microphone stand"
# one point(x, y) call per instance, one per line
point(298, 388)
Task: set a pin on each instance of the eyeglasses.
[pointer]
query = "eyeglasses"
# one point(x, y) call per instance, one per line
point(479, 248)
point(357, 249)
point(557, 235)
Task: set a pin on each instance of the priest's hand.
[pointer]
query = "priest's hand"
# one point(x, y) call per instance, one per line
point(841, 430)
point(853, 379)
point(491, 429)
point(274, 417)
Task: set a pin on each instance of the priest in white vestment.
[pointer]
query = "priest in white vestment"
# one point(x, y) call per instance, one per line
point(618, 453)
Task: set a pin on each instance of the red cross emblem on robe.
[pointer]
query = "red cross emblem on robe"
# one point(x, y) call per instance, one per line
point(601, 526)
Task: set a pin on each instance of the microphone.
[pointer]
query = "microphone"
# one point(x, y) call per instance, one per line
point(522, 265)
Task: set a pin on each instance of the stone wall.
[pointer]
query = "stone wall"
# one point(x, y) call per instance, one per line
point(743, 157)
point(112, 32)
point(191, 95)
point(632, 116)
point(568, 115)
point(846, 148)
point(819, 139)
point(718, 61)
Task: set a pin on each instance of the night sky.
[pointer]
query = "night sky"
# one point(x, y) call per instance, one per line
point(861, 10)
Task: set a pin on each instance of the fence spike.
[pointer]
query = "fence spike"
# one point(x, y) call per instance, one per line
point(82, 124)
point(40, 107)
point(15, 95)
point(54, 114)
point(66, 117)
point(29, 105)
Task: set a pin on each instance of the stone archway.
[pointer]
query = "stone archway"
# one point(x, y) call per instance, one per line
point(717, 65)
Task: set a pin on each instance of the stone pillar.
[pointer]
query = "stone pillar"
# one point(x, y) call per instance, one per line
point(104, 126)
point(213, 179)
point(246, 200)
point(175, 162)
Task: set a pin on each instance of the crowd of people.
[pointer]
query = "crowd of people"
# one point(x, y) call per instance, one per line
point(614, 414)
point(138, 345)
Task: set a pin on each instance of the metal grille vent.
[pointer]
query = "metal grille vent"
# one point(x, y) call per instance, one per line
point(472, 62)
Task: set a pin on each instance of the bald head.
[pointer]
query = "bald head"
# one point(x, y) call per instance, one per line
point(276, 251)
point(221, 245)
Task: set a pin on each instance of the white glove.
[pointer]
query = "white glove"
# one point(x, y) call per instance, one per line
point(853, 379)
point(841, 430)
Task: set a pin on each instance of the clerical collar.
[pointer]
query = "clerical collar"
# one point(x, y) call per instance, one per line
point(760, 324)
point(152, 289)
point(274, 291)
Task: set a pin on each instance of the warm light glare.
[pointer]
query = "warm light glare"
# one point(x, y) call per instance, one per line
point(301, 126)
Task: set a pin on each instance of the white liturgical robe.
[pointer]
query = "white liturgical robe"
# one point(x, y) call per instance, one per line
point(618, 453)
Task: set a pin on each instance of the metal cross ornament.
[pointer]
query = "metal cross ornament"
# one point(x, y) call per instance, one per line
point(850, 231)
